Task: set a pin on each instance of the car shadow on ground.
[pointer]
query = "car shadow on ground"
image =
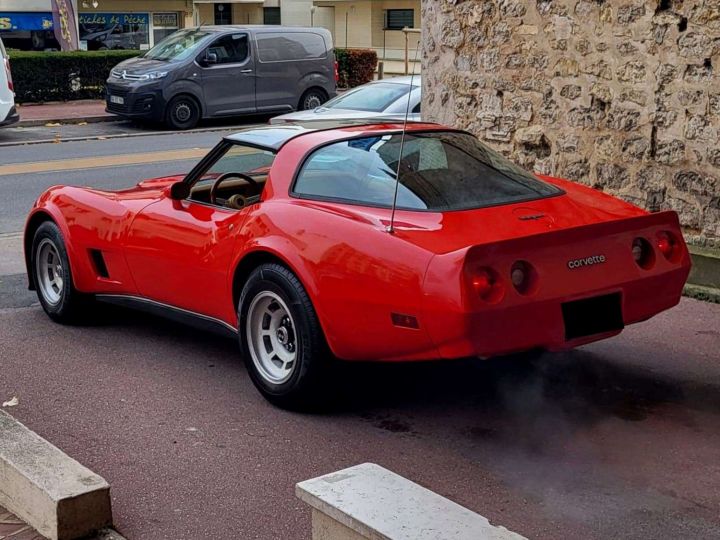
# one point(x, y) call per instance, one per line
point(511, 392)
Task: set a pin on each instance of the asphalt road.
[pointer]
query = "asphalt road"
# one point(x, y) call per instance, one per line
point(617, 439)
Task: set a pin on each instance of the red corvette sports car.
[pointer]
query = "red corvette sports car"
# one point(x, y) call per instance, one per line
point(282, 236)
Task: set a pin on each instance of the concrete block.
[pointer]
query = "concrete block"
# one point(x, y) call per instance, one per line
point(47, 489)
point(369, 501)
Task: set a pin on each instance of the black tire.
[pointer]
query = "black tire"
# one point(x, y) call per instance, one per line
point(304, 388)
point(183, 112)
point(70, 306)
point(312, 99)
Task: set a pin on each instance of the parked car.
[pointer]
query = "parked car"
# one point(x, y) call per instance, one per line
point(114, 37)
point(285, 238)
point(217, 71)
point(8, 112)
point(385, 99)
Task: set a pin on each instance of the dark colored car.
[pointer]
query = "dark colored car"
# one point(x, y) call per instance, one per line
point(218, 71)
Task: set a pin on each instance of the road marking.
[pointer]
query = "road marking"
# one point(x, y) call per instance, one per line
point(102, 161)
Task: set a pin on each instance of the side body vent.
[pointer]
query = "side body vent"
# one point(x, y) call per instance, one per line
point(99, 263)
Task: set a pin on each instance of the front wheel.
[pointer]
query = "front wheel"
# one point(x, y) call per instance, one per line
point(183, 112)
point(50, 267)
point(281, 340)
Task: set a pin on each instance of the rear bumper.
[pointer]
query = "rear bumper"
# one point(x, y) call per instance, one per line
point(137, 103)
point(540, 324)
point(11, 118)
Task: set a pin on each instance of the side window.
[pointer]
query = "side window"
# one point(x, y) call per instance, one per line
point(276, 47)
point(416, 109)
point(230, 49)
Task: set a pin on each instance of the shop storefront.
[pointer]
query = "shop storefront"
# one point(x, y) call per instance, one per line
point(27, 30)
point(141, 30)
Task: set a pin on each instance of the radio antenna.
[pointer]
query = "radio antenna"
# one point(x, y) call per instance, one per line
point(391, 228)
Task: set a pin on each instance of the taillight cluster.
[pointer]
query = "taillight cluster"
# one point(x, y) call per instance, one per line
point(490, 286)
point(643, 250)
point(9, 75)
point(337, 72)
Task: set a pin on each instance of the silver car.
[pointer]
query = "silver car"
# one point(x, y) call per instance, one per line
point(383, 99)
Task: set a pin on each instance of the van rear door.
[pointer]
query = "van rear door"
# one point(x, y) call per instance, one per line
point(228, 75)
point(289, 62)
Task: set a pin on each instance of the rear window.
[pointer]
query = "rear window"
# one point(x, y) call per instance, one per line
point(440, 171)
point(374, 97)
point(281, 47)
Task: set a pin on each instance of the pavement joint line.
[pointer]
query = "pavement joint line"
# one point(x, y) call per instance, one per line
point(11, 235)
point(100, 137)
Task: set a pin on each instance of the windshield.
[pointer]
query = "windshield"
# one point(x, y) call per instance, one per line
point(239, 159)
point(440, 171)
point(375, 97)
point(178, 46)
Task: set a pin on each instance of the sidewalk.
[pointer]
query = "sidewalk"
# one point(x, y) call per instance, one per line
point(69, 112)
point(12, 528)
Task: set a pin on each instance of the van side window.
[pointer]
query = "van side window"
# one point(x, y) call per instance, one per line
point(281, 47)
point(230, 49)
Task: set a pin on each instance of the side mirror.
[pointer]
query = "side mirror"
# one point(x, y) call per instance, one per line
point(179, 191)
point(211, 58)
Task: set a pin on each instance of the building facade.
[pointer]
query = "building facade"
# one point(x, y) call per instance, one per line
point(139, 24)
point(623, 96)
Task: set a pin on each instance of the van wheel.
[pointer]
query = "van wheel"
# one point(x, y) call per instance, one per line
point(312, 99)
point(183, 112)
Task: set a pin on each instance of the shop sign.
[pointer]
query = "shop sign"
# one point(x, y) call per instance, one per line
point(165, 20)
point(10, 21)
point(109, 19)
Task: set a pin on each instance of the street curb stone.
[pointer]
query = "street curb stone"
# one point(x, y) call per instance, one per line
point(51, 492)
point(88, 119)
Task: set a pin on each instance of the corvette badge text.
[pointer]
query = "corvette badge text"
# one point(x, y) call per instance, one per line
point(588, 261)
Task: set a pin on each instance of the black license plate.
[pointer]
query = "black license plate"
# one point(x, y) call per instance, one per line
point(592, 316)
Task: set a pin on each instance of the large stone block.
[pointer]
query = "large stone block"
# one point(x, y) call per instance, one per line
point(50, 491)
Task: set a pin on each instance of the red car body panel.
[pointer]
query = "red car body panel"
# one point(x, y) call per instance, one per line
point(185, 254)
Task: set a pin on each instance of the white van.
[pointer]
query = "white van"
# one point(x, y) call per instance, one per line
point(8, 113)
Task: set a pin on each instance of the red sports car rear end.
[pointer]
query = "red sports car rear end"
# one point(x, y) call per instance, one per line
point(317, 243)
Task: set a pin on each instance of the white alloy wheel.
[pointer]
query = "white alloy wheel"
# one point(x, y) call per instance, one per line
point(271, 337)
point(49, 271)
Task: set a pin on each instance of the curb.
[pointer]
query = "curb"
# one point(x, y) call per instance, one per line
point(47, 489)
point(90, 120)
point(698, 292)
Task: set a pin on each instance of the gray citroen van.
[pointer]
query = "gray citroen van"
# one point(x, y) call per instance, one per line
point(216, 71)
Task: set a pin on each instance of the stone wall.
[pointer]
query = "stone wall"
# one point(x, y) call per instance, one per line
point(623, 96)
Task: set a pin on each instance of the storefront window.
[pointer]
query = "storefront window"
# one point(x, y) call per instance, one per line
point(164, 24)
point(104, 31)
point(31, 30)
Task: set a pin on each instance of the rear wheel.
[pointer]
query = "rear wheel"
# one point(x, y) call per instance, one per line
point(52, 275)
point(312, 99)
point(282, 343)
point(183, 112)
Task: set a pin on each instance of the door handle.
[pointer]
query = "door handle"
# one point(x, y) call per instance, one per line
point(246, 71)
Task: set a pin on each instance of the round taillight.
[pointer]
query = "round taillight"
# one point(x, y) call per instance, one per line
point(668, 245)
point(487, 284)
point(523, 277)
point(643, 253)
